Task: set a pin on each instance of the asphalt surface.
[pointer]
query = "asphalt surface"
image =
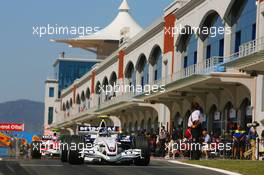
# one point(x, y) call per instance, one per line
point(55, 167)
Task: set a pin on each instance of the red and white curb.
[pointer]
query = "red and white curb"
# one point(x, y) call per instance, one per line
point(205, 167)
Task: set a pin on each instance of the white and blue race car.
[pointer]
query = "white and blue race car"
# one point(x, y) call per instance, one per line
point(104, 144)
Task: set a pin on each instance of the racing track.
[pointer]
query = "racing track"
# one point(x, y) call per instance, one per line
point(55, 167)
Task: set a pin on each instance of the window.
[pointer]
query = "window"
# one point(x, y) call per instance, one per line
point(185, 64)
point(145, 74)
point(237, 41)
point(159, 66)
point(208, 51)
point(51, 92)
point(244, 18)
point(195, 57)
point(50, 115)
point(221, 47)
point(253, 31)
point(156, 75)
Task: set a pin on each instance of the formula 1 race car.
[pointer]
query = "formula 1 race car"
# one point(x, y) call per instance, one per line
point(50, 148)
point(104, 144)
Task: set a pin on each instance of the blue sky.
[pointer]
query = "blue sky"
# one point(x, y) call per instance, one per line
point(26, 60)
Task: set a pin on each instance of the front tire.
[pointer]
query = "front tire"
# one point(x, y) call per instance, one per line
point(142, 143)
point(74, 156)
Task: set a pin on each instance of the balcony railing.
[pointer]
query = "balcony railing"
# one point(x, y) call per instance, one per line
point(74, 111)
point(114, 100)
point(247, 49)
point(212, 64)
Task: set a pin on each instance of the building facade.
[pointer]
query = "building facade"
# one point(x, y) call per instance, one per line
point(222, 71)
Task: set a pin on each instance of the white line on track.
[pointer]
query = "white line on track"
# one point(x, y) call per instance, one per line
point(39, 165)
point(11, 169)
point(154, 167)
point(205, 167)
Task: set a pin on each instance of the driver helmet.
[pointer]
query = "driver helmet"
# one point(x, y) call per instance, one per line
point(103, 132)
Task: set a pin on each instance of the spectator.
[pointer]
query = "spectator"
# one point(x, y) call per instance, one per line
point(239, 142)
point(252, 136)
point(162, 140)
point(188, 133)
point(172, 148)
point(176, 134)
point(227, 138)
point(152, 143)
point(206, 143)
point(195, 123)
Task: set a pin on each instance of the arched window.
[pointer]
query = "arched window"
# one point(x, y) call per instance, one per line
point(67, 105)
point(98, 88)
point(230, 116)
point(156, 124)
point(241, 15)
point(83, 97)
point(214, 41)
point(246, 113)
point(178, 121)
point(113, 79)
point(105, 87)
point(136, 127)
point(98, 92)
point(142, 125)
point(186, 118)
point(78, 99)
point(113, 82)
point(149, 127)
point(215, 117)
point(88, 93)
point(187, 44)
point(191, 51)
point(130, 74)
point(71, 102)
point(156, 62)
point(64, 107)
point(125, 128)
point(143, 70)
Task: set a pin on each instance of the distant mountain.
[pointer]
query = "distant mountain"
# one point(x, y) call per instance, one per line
point(23, 111)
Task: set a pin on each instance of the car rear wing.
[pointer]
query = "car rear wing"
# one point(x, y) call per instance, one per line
point(95, 129)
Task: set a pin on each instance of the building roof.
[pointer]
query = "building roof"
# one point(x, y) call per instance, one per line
point(76, 60)
point(108, 36)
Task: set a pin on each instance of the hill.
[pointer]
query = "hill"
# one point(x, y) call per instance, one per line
point(23, 111)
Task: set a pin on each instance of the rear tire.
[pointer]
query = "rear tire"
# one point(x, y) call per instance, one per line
point(35, 150)
point(142, 143)
point(74, 157)
point(64, 149)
